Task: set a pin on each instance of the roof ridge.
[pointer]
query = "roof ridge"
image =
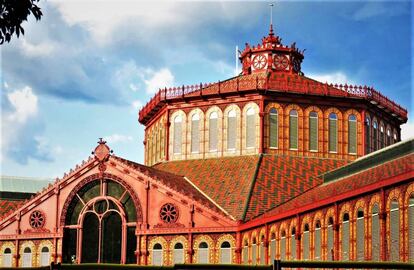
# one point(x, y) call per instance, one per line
point(252, 185)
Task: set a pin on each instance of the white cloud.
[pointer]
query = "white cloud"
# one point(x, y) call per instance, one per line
point(37, 50)
point(407, 130)
point(159, 79)
point(136, 105)
point(24, 103)
point(334, 77)
point(118, 138)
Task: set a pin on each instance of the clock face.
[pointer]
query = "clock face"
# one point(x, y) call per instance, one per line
point(296, 65)
point(281, 62)
point(259, 61)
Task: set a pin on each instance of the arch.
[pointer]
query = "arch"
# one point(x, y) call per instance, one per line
point(245, 248)
point(368, 134)
point(360, 230)
point(213, 131)
point(208, 253)
point(317, 235)
point(381, 134)
point(178, 131)
point(176, 255)
point(352, 143)
point(389, 135)
point(44, 257)
point(345, 215)
point(272, 236)
point(160, 255)
point(226, 253)
point(290, 130)
point(283, 245)
point(292, 238)
point(27, 254)
point(262, 243)
point(195, 135)
point(374, 210)
point(375, 131)
point(313, 129)
point(251, 127)
point(232, 129)
point(330, 220)
point(409, 223)
point(274, 126)
point(7, 255)
point(306, 246)
point(333, 139)
point(254, 250)
point(394, 221)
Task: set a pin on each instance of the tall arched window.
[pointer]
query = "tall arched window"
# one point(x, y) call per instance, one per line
point(44, 256)
point(330, 240)
point(273, 128)
point(306, 242)
point(411, 227)
point(395, 137)
point(293, 244)
point(283, 245)
point(7, 257)
point(272, 247)
point(388, 137)
point(333, 132)
point(250, 128)
point(231, 130)
point(254, 251)
point(375, 233)
point(203, 253)
point(246, 252)
point(360, 235)
point(157, 255)
point(313, 131)
point(394, 223)
point(345, 237)
point(195, 133)
point(213, 132)
point(225, 253)
point(27, 257)
point(293, 130)
point(382, 137)
point(352, 134)
point(318, 240)
point(178, 255)
point(375, 135)
point(262, 250)
point(367, 135)
point(177, 134)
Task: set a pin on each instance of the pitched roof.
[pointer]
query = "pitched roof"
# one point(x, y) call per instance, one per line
point(23, 184)
point(8, 206)
point(174, 181)
point(226, 180)
point(280, 178)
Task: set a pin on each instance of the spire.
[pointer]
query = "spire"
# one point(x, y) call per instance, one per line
point(271, 20)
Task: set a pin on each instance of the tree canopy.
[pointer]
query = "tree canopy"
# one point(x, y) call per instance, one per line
point(12, 15)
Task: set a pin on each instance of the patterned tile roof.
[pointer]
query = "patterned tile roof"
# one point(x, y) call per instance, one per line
point(226, 180)
point(176, 182)
point(281, 178)
point(350, 183)
point(8, 206)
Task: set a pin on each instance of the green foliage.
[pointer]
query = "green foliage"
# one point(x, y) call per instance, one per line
point(12, 15)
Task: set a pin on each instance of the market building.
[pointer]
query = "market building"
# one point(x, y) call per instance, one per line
point(269, 164)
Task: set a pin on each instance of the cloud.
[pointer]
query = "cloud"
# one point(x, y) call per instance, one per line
point(407, 130)
point(118, 138)
point(159, 79)
point(136, 105)
point(334, 77)
point(21, 129)
point(37, 50)
point(378, 8)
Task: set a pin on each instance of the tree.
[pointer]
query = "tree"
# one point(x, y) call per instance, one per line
point(12, 15)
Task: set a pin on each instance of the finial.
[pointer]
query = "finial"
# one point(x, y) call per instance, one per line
point(101, 141)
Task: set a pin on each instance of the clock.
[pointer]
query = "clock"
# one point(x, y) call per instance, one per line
point(296, 65)
point(281, 62)
point(259, 61)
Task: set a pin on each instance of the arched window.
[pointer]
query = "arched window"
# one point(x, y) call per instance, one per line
point(283, 245)
point(272, 247)
point(7, 257)
point(318, 240)
point(330, 242)
point(375, 135)
point(293, 244)
point(306, 242)
point(231, 130)
point(367, 135)
point(225, 253)
point(352, 134)
point(246, 252)
point(411, 227)
point(388, 137)
point(394, 223)
point(262, 250)
point(254, 251)
point(293, 130)
point(333, 132)
point(213, 132)
point(44, 256)
point(345, 237)
point(382, 137)
point(157, 255)
point(360, 235)
point(203, 253)
point(177, 134)
point(250, 128)
point(195, 133)
point(313, 131)
point(27, 257)
point(375, 233)
point(395, 137)
point(273, 128)
point(178, 255)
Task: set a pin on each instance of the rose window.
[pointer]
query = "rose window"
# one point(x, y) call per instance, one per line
point(259, 61)
point(281, 62)
point(169, 213)
point(37, 219)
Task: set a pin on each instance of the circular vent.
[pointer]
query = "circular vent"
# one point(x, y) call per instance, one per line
point(37, 219)
point(169, 213)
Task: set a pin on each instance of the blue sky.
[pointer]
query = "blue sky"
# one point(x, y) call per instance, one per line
point(86, 68)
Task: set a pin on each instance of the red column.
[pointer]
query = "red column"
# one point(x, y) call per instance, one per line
point(238, 248)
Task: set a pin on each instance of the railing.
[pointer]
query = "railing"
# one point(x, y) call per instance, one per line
point(282, 83)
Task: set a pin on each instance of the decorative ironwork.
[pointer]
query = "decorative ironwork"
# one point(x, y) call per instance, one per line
point(37, 219)
point(169, 213)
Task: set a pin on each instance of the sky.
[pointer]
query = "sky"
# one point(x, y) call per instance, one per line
point(86, 68)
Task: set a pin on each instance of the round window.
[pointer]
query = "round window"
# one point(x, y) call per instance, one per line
point(169, 213)
point(37, 219)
